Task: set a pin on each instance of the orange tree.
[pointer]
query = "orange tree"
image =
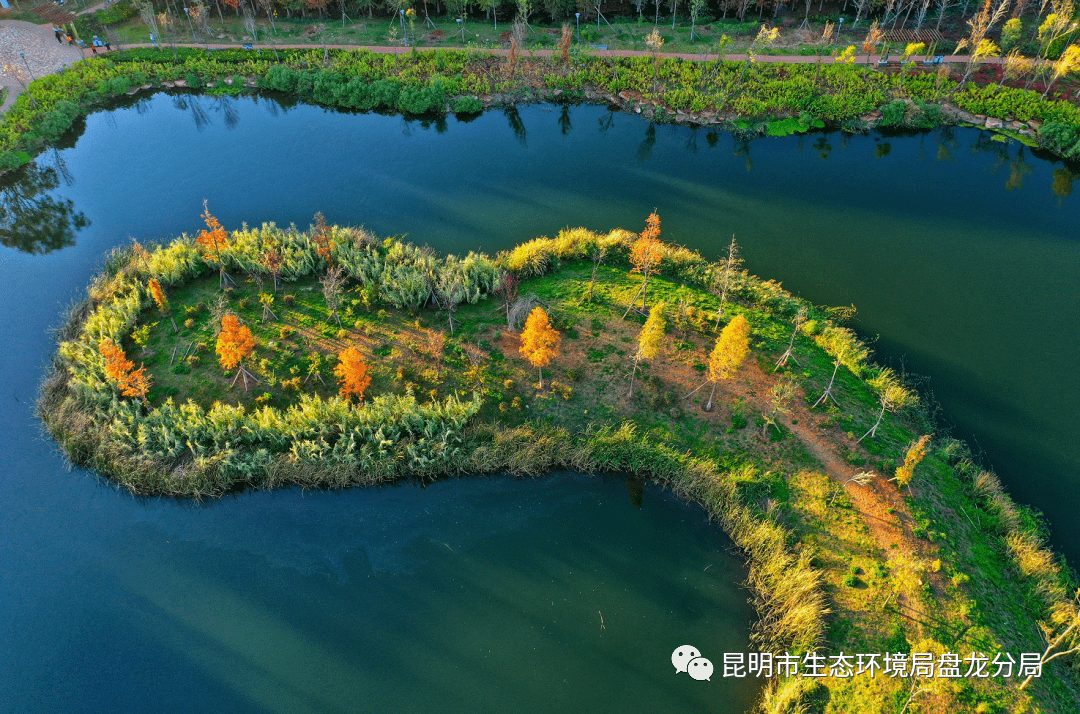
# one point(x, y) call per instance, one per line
point(645, 255)
point(212, 241)
point(539, 341)
point(352, 373)
point(158, 293)
point(324, 245)
point(118, 368)
point(234, 344)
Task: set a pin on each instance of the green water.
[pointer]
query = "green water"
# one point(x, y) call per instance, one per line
point(960, 252)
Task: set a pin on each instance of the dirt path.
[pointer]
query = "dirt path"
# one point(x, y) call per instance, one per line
point(878, 502)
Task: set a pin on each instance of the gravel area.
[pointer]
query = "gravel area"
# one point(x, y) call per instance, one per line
point(43, 54)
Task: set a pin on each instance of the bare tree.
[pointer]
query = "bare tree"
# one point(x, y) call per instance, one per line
point(798, 321)
point(723, 279)
point(149, 16)
point(249, 22)
point(507, 292)
point(942, 6)
point(892, 395)
point(1067, 638)
point(920, 16)
point(780, 397)
point(449, 292)
point(597, 257)
point(333, 284)
point(268, 8)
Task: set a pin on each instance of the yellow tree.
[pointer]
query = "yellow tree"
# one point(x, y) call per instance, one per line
point(645, 255)
point(1067, 63)
point(234, 344)
point(650, 339)
point(730, 351)
point(352, 373)
point(915, 453)
point(539, 341)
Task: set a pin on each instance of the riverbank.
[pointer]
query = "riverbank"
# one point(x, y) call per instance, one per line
point(814, 510)
point(744, 96)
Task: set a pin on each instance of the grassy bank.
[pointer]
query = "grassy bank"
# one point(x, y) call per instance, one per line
point(743, 96)
point(840, 558)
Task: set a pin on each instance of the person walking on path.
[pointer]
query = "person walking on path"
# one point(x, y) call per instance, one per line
point(59, 35)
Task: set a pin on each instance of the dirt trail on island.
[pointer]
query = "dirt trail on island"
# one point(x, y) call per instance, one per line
point(878, 502)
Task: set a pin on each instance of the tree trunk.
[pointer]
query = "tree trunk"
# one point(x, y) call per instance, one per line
point(828, 389)
point(873, 429)
point(708, 407)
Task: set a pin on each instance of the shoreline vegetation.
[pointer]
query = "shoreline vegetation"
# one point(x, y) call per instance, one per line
point(747, 97)
point(207, 366)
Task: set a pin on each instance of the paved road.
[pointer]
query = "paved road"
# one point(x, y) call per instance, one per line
point(42, 55)
point(795, 59)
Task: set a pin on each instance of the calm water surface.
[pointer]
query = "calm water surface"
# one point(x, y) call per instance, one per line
point(959, 251)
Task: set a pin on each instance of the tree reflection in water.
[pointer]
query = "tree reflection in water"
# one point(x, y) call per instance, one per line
point(32, 220)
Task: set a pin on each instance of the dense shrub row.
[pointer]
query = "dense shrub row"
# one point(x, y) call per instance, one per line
point(422, 83)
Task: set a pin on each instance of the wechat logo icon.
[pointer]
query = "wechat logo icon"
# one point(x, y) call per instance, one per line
point(688, 659)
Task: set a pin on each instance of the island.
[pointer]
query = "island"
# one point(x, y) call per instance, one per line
point(328, 357)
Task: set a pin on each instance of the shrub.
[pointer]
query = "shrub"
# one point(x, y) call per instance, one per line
point(563, 390)
point(1060, 138)
point(467, 105)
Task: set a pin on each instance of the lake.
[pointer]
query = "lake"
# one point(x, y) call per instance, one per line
point(474, 594)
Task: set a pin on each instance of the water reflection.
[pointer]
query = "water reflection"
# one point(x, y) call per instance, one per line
point(606, 121)
point(32, 219)
point(516, 125)
point(1063, 182)
point(565, 124)
point(645, 148)
point(822, 146)
point(190, 103)
point(947, 144)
